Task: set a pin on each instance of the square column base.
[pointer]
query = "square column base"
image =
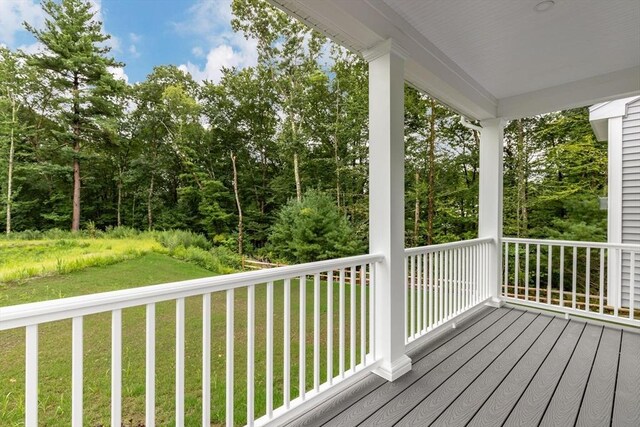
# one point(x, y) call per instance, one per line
point(398, 368)
point(495, 302)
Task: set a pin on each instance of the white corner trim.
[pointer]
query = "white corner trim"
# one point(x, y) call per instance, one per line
point(387, 46)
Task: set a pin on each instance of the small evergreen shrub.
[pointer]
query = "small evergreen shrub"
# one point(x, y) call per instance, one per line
point(312, 230)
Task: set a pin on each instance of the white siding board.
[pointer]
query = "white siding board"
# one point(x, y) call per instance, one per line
point(631, 198)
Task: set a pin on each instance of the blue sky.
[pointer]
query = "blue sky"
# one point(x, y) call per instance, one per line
point(195, 35)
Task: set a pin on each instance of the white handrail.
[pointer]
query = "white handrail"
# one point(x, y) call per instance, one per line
point(65, 308)
point(576, 243)
point(443, 246)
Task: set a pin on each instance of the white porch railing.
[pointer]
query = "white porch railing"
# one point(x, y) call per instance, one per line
point(351, 357)
point(444, 281)
point(581, 278)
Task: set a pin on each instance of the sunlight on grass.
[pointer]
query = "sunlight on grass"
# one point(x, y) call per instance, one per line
point(33, 258)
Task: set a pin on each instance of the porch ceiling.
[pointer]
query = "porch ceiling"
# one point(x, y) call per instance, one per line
point(496, 57)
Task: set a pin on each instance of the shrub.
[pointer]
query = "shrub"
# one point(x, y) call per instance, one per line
point(312, 230)
point(227, 257)
point(172, 239)
point(121, 232)
point(202, 258)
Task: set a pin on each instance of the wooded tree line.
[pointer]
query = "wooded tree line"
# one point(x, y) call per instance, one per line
point(224, 159)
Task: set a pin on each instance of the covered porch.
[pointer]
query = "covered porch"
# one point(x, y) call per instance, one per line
point(415, 334)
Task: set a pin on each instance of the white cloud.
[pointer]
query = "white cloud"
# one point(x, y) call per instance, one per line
point(114, 43)
point(118, 73)
point(209, 21)
point(198, 52)
point(134, 51)
point(217, 58)
point(32, 48)
point(13, 13)
point(135, 38)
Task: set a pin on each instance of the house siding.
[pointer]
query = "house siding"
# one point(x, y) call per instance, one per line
point(631, 198)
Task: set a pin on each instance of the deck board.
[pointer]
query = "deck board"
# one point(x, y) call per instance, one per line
point(384, 394)
point(464, 407)
point(497, 355)
point(597, 403)
point(626, 407)
point(391, 399)
point(565, 403)
point(429, 385)
point(505, 366)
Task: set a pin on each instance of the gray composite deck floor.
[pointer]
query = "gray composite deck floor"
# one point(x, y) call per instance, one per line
point(503, 366)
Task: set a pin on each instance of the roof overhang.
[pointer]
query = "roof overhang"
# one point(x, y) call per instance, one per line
point(600, 114)
point(360, 25)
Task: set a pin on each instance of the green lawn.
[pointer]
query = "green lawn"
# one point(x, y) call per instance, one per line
point(55, 347)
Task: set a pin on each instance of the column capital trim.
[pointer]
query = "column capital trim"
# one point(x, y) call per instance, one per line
point(383, 48)
point(498, 122)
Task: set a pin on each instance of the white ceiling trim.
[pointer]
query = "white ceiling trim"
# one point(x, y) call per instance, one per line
point(585, 92)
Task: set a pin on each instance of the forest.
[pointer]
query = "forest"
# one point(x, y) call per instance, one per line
point(271, 161)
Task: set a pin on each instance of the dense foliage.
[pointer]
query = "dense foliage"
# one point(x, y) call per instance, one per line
point(224, 159)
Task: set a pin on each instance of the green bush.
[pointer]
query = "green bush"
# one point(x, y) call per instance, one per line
point(121, 232)
point(201, 258)
point(227, 257)
point(312, 230)
point(172, 239)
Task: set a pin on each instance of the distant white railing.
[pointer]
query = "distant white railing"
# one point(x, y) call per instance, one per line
point(442, 282)
point(583, 278)
point(354, 272)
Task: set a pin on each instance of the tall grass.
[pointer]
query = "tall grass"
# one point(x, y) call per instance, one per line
point(29, 254)
point(23, 259)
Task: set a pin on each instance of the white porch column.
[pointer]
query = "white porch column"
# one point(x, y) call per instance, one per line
point(614, 201)
point(386, 203)
point(490, 198)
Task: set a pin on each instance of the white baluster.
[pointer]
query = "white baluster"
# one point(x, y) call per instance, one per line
point(302, 336)
point(206, 359)
point(287, 344)
point(31, 376)
point(269, 383)
point(251, 328)
point(116, 368)
point(316, 332)
point(180, 362)
point(229, 362)
point(330, 327)
point(150, 362)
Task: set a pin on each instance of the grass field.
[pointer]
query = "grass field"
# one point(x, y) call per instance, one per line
point(23, 259)
point(55, 347)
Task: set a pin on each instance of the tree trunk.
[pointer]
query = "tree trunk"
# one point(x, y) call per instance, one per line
point(296, 172)
point(235, 191)
point(75, 221)
point(432, 173)
point(149, 197)
point(416, 216)
point(119, 220)
point(10, 168)
point(133, 211)
point(337, 159)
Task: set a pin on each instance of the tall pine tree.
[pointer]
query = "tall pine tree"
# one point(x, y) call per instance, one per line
point(78, 62)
